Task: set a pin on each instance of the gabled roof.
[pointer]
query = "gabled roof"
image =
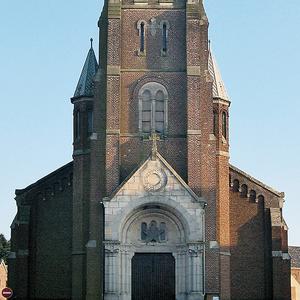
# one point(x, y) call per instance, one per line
point(294, 252)
point(85, 84)
point(159, 158)
point(219, 89)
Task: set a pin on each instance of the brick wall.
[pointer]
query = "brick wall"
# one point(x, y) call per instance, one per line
point(247, 248)
point(51, 248)
point(42, 239)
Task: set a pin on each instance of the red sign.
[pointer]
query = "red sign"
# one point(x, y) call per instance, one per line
point(7, 293)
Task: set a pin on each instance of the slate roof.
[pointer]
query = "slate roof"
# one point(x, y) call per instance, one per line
point(294, 252)
point(85, 84)
point(219, 89)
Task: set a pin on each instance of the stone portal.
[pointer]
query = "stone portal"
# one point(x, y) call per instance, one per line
point(158, 229)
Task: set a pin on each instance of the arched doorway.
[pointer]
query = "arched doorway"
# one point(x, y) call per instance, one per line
point(154, 258)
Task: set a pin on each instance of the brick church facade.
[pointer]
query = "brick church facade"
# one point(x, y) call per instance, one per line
point(150, 207)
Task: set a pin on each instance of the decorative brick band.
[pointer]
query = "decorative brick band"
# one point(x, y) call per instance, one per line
point(225, 253)
point(284, 256)
point(81, 152)
point(114, 10)
point(145, 5)
point(223, 153)
point(193, 132)
point(193, 70)
point(113, 70)
point(221, 101)
point(113, 131)
point(169, 70)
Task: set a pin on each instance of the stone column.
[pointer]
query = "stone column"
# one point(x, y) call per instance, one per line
point(112, 268)
point(196, 271)
point(180, 272)
point(126, 255)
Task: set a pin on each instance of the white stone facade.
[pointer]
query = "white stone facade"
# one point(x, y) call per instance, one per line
point(174, 220)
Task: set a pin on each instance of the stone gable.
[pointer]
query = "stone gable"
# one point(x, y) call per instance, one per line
point(154, 182)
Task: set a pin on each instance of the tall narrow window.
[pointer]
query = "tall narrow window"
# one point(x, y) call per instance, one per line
point(165, 42)
point(224, 124)
point(215, 123)
point(142, 37)
point(77, 125)
point(90, 122)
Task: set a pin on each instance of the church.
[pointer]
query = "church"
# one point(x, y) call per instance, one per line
point(150, 208)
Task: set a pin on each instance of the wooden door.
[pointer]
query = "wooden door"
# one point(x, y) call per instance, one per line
point(153, 276)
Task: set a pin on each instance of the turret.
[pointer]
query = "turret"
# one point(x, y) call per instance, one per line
point(83, 104)
point(221, 105)
point(83, 101)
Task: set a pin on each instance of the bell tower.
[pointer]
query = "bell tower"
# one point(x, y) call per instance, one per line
point(155, 75)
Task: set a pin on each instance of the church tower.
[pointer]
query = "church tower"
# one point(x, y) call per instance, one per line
point(156, 77)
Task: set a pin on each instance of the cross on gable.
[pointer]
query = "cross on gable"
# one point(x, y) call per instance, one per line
point(154, 138)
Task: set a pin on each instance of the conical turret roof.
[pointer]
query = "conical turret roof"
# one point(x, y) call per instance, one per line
point(85, 84)
point(219, 89)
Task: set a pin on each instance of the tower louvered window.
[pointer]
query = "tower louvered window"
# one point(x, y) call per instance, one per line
point(153, 99)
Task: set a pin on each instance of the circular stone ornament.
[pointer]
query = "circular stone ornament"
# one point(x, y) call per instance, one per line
point(154, 180)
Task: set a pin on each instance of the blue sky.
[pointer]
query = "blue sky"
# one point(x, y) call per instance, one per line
point(43, 46)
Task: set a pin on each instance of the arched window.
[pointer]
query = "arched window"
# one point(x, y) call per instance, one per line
point(252, 197)
point(244, 191)
point(153, 103)
point(236, 185)
point(261, 199)
point(224, 124)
